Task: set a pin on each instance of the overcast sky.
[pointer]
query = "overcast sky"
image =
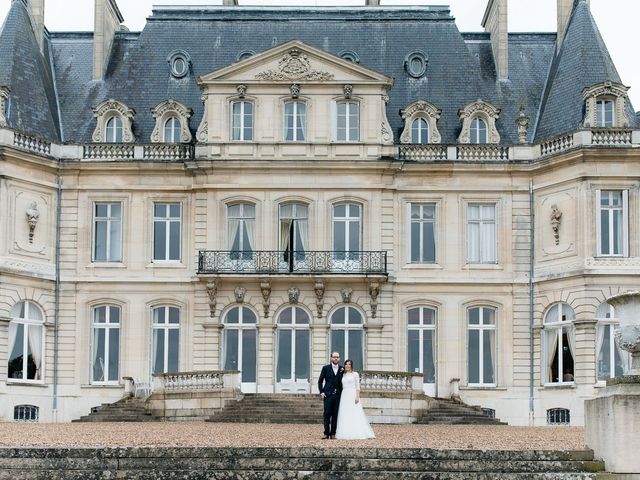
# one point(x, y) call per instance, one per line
point(618, 20)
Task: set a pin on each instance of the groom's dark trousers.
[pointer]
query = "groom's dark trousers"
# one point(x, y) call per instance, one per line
point(331, 385)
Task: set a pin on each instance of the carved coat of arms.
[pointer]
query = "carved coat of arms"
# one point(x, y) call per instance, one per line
point(295, 65)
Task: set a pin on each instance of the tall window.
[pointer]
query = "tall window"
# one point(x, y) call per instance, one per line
point(348, 122)
point(420, 131)
point(423, 236)
point(605, 113)
point(481, 233)
point(114, 130)
point(167, 218)
point(241, 229)
point(612, 223)
point(172, 130)
point(610, 359)
point(242, 121)
point(478, 131)
point(347, 335)
point(105, 364)
point(165, 348)
point(107, 232)
point(26, 342)
point(421, 340)
point(482, 345)
point(295, 121)
point(559, 344)
point(346, 231)
point(294, 230)
point(240, 343)
point(294, 346)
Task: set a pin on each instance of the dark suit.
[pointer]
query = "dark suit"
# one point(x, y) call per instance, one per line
point(331, 385)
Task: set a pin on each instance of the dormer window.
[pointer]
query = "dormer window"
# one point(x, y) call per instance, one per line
point(479, 123)
point(347, 122)
point(420, 132)
point(295, 121)
point(179, 63)
point(172, 123)
point(605, 106)
point(242, 121)
point(113, 122)
point(420, 123)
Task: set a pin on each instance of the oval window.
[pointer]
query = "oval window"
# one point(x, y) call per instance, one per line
point(416, 64)
point(179, 62)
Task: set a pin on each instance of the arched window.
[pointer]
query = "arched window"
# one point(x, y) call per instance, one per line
point(295, 121)
point(347, 227)
point(478, 131)
point(347, 335)
point(421, 342)
point(610, 359)
point(294, 349)
point(240, 344)
point(172, 130)
point(559, 344)
point(347, 122)
point(241, 230)
point(114, 130)
point(165, 348)
point(105, 364)
point(242, 121)
point(481, 324)
point(420, 131)
point(26, 342)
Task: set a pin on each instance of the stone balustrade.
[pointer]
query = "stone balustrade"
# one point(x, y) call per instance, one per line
point(391, 381)
point(32, 143)
point(556, 145)
point(611, 137)
point(196, 381)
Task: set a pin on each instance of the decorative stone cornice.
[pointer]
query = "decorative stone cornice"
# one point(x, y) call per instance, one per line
point(606, 91)
point(483, 110)
point(295, 65)
point(425, 110)
point(165, 110)
point(104, 112)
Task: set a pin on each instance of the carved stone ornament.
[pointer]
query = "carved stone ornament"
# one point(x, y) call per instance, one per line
point(483, 110)
point(295, 65)
point(33, 215)
point(347, 90)
point(374, 291)
point(294, 295)
point(523, 125)
point(239, 293)
point(242, 90)
point(212, 292)
point(107, 110)
point(609, 91)
point(346, 294)
point(4, 96)
point(294, 88)
point(425, 110)
point(556, 216)
point(627, 336)
point(318, 288)
point(385, 127)
point(163, 112)
point(202, 134)
point(265, 290)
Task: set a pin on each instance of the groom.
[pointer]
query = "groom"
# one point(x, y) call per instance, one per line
point(330, 388)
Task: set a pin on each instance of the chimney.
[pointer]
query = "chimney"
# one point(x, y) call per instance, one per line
point(495, 22)
point(230, 3)
point(36, 9)
point(107, 20)
point(565, 8)
point(372, 3)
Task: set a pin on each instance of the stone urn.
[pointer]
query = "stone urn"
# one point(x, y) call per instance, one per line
point(627, 337)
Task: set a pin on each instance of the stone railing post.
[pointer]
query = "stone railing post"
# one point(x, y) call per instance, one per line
point(231, 380)
point(158, 383)
point(416, 383)
point(129, 386)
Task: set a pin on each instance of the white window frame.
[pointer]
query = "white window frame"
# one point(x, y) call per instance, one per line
point(109, 219)
point(613, 323)
point(625, 223)
point(421, 221)
point(175, 129)
point(475, 133)
point(166, 326)
point(114, 130)
point(26, 322)
point(349, 105)
point(242, 118)
point(107, 326)
point(420, 139)
point(482, 327)
point(421, 327)
point(295, 115)
point(555, 328)
point(347, 219)
point(482, 222)
point(241, 326)
point(167, 219)
point(242, 219)
point(293, 327)
point(348, 327)
point(601, 110)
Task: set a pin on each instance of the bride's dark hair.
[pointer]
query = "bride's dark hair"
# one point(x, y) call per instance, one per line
point(350, 362)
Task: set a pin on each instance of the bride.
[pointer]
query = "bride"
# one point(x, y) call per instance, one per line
point(352, 422)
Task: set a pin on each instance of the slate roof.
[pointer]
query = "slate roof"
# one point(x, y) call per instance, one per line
point(460, 65)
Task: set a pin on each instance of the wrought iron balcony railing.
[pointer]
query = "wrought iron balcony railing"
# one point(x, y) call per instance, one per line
point(292, 263)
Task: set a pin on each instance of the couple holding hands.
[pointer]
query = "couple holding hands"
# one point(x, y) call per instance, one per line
point(339, 387)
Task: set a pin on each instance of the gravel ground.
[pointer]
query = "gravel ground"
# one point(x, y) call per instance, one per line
point(200, 434)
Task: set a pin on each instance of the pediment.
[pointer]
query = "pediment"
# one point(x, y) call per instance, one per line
point(294, 62)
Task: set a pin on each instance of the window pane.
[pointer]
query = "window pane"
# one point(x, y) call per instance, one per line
point(340, 211)
point(99, 359)
point(338, 316)
point(354, 123)
point(249, 355)
point(413, 351)
point(248, 316)
point(337, 342)
point(174, 241)
point(115, 251)
point(174, 350)
point(16, 359)
point(354, 236)
point(415, 242)
point(301, 124)
point(474, 316)
point(285, 317)
point(174, 210)
point(356, 349)
point(232, 315)
point(617, 232)
point(101, 209)
point(100, 241)
point(355, 318)
point(413, 316)
point(302, 318)
point(114, 315)
point(159, 240)
point(248, 121)
point(604, 355)
point(428, 242)
point(428, 356)
point(158, 346)
point(114, 354)
point(100, 314)
point(284, 355)
point(488, 316)
point(474, 356)
point(302, 354)
point(174, 315)
point(488, 346)
point(428, 316)
point(339, 234)
point(231, 349)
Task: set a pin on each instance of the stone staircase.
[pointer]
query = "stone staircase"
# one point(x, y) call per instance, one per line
point(272, 408)
point(128, 409)
point(350, 463)
point(452, 412)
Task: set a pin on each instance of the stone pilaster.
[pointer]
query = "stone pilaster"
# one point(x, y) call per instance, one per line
point(585, 354)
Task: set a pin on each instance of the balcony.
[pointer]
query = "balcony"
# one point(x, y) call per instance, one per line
point(292, 263)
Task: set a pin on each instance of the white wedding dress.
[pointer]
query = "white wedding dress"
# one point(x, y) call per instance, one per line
point(352, 422)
